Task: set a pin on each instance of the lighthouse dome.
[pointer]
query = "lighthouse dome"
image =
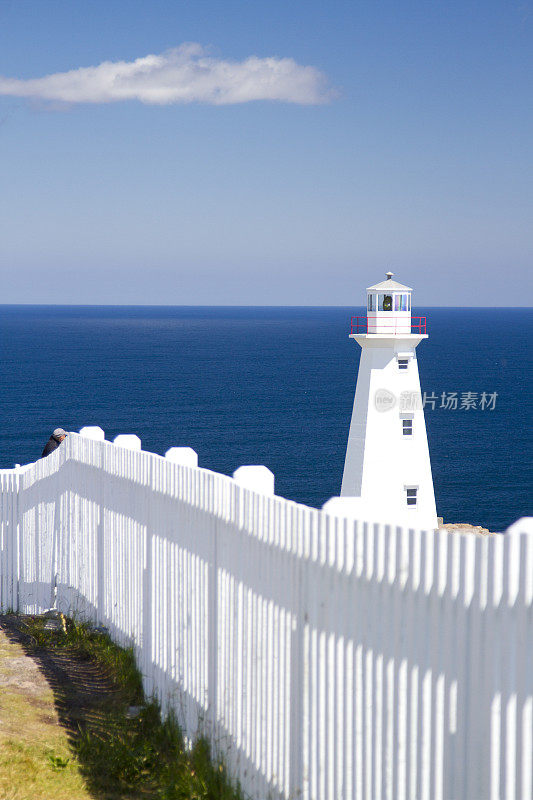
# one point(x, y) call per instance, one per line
point(390, 285)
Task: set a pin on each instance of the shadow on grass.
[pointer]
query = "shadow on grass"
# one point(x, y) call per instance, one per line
point(123, 748)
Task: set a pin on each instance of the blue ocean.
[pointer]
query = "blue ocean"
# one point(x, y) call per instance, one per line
point(272, 386)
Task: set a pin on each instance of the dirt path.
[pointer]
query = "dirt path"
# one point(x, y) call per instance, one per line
point(36, 762)
point(74, 722)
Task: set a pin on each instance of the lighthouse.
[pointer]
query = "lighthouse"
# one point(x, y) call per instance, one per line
point(387, 470)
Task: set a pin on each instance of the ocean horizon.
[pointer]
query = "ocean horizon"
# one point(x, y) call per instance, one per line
point(272, 385)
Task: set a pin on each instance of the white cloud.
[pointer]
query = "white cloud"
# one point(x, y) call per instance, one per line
point(186, 74)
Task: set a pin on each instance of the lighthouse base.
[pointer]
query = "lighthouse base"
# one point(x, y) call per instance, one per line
point(356, 508)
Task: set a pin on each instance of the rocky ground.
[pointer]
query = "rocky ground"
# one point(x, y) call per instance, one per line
point(464, 527)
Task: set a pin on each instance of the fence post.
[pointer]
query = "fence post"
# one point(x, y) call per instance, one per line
point(212, 633)
point(182, 455)
point(93, 432)
point(127, 440)
point(257, 478)
point(15, 537)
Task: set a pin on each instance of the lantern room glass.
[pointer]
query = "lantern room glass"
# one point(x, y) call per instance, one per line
point(401, 302)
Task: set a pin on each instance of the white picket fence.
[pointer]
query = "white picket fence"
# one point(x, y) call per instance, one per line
point(327, 659)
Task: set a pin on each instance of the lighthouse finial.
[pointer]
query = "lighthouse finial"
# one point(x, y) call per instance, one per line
point(389, 275)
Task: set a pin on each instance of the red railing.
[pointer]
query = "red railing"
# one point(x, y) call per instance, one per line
point(392, 324)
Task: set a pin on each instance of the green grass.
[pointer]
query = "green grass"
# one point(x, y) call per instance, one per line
point(36, 759)
point(143, 757)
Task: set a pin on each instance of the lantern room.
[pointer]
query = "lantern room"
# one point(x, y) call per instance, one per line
point(389, 307)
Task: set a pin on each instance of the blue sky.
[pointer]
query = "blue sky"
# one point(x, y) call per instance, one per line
point(407, 146)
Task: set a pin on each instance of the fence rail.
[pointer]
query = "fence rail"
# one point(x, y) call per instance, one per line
point(328, 659)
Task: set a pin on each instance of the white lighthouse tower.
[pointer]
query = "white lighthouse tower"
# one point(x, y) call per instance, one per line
point(387, 465)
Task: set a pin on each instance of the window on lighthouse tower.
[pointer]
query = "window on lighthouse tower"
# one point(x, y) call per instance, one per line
point(411, 495)
point(407, 427)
